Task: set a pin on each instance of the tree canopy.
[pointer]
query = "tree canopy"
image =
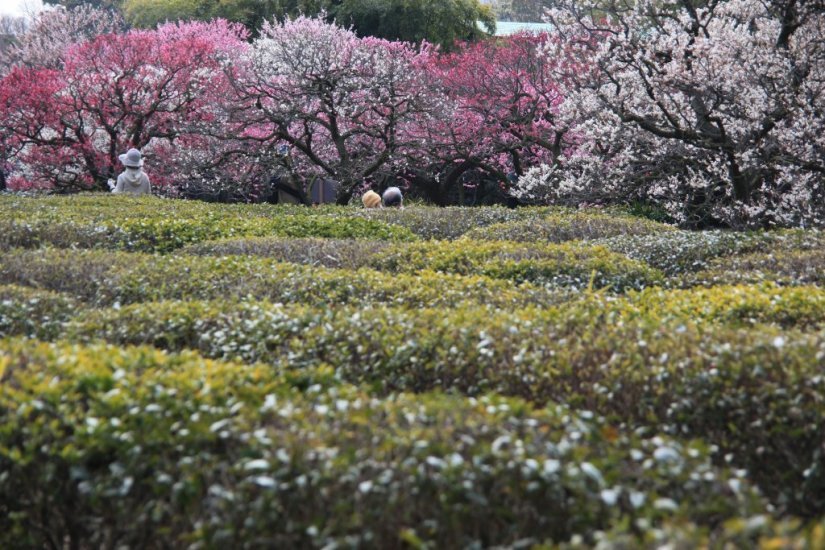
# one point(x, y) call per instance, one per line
point(441, 22)
point(438, 21)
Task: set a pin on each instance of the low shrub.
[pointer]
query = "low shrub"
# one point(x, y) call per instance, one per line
point(165, 235)
point(335, 253)
point(567, 265)
point(570, 264)
point(758, 393)
point(758, 531)
point(678, 252)
point(558, 227)
point(33, 313)
point(155, 225)
point(106, 278)
point(785, 267)
point(733, 306)
point(451, 222)
point(132, 447)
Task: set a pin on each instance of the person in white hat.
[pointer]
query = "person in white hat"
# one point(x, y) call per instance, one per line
point(133, 180)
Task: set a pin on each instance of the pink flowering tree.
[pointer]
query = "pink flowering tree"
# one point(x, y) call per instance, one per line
point(502, 121)
point(712, 110)
point(141, 89)
point(349, 109)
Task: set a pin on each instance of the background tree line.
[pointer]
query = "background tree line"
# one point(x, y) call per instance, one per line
point(440, 22)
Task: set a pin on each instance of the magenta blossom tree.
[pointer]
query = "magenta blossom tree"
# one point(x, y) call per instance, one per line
point(712, 110)
point(502, 120)
point(139, 89)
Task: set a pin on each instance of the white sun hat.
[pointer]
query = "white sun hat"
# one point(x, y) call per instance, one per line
point(131, 159)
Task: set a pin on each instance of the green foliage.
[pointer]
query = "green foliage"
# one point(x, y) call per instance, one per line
point(305, 405)
point(568, 265)
point(335, 253)
point(559, 227)
point(157, 225)
point(102, 438)
point(678, 252)
point(106, 278)
point(788, 267)
point(70, 4)
point(33, 313)
point(450, 222)
point(441, 22)
point(559, 265)
point(250, 13)
point(701, 380)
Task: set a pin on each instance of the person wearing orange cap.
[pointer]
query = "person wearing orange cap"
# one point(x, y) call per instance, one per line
point(371, 199)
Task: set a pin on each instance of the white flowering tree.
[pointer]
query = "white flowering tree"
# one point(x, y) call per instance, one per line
point(714, 110)
point(349, 108)
point(43, 42)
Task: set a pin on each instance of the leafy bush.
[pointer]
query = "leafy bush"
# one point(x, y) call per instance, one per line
point(741, 305)
point(555, 265)
point(677, 252)
point(34, 313)
point(675, 376)
point(791, 267)
point(115, 277)
point(452, 222)
point(133, 447)
point(154, 225)
point(335, 253)
point(759, 531)
point(558, 227)
point(567, 264)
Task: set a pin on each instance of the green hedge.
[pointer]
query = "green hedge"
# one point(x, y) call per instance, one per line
point(34, 313)
point(104, 446)
point(451, 222)
point(571, 264)
point(335, 253)
point(679, 252)
point(758, 532)
point(786, 267)
point(102, 277)
point(164, 235)
point(734, 306)
point(560, 227)
point(711, 382)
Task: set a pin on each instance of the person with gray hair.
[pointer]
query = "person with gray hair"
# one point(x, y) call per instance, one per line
point(133, 180)
point(392, 197)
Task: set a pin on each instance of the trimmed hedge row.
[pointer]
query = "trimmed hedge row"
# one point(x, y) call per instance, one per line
point(757, 393)
point(568, 265)
point(786, 267)
point(560, 227)
point(734, 306)
point(451, 222)
point(34, 313)
point(106, 446)
point(105, 278)
point(165, 234)
point(758, 532)
point(678, 252)
point(334, 253)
